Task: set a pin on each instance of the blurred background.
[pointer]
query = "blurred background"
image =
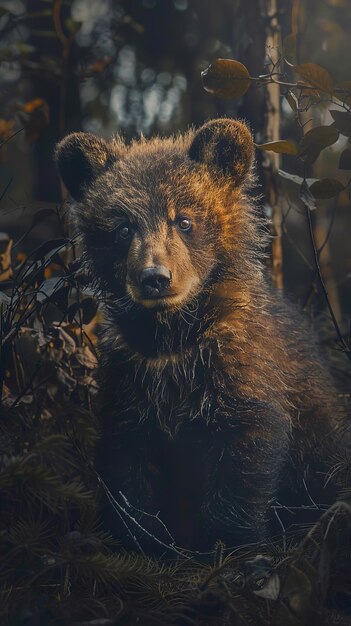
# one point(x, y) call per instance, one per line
point(134, 67)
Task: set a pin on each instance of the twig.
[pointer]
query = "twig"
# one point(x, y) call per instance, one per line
point(6, 188)
point(343, 344)
point(11, 137)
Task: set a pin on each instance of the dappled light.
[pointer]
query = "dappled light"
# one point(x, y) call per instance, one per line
point(175, 312)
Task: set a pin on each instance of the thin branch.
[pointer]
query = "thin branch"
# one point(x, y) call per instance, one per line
point(11, 137)
point(342, 342)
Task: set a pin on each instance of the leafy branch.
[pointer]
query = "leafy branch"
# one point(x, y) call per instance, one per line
point(228, 78)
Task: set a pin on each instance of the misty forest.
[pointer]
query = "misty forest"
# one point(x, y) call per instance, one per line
point(141, 69)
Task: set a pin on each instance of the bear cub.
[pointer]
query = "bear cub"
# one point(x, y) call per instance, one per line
point(212, 391)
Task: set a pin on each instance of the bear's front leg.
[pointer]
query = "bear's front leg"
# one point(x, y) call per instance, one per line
point(244, 463)
point(129, 481)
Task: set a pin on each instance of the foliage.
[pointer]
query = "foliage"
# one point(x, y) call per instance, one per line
point(224, 78)
point(228, 78)
point(57, 566)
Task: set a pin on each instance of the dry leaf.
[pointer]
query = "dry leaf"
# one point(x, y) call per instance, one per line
point(316, 76)
point(283, 146)
point(5, 262)
point(226, 78)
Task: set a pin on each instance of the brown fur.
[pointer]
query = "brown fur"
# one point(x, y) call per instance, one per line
point(209, 392)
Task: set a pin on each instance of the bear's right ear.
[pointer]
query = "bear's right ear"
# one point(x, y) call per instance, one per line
point(226, 146)
point(82, 157)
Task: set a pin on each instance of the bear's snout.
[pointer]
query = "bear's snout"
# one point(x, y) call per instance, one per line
point(155, 281)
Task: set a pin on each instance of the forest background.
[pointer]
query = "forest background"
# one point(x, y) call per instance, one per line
point(151, 66)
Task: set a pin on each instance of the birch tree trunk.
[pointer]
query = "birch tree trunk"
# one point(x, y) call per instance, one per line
point(273, 46)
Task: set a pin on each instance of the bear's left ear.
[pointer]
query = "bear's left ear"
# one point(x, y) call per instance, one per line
point(82, 157)
point(225, 145)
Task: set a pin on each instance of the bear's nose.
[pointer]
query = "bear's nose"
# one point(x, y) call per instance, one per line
point(155, 281)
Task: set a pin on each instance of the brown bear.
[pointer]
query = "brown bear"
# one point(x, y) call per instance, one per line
point(211, 385)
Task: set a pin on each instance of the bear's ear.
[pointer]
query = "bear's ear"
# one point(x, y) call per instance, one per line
point(225, 145)
point(82, 157)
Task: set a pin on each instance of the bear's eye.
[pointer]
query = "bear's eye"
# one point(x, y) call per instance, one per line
point(184, 223)
point(124, 231)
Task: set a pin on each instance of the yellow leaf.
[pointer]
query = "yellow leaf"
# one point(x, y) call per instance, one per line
point(226, 78)
point(283, 146)
point(30, 106)
point(6, 128)
point(5, 262)
point(316, 76)
point(34, 116)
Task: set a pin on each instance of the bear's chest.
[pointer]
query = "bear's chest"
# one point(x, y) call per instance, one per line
point(171, 391)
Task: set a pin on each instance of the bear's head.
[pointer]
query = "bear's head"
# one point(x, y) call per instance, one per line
point(162, 219)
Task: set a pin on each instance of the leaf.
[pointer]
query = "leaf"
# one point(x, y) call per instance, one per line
point(226, 78)
point(308, 93)
point(89, 309)
point(60, 298)
point(342, 121)
point(315, 141)
point(34, 115)
point(50, 288)
point(295, 179)
point(283, 146)
point(6, 128)
point(5, 262)
point(316, 76)
point(345, 159)
point(293, 101)
point(98, 67)
point(326, 188)
point(72, 311)
point(49, 246)
point(33, 105)
point(292, 177)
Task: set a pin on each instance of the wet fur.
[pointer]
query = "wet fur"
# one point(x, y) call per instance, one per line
point(207, 404)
